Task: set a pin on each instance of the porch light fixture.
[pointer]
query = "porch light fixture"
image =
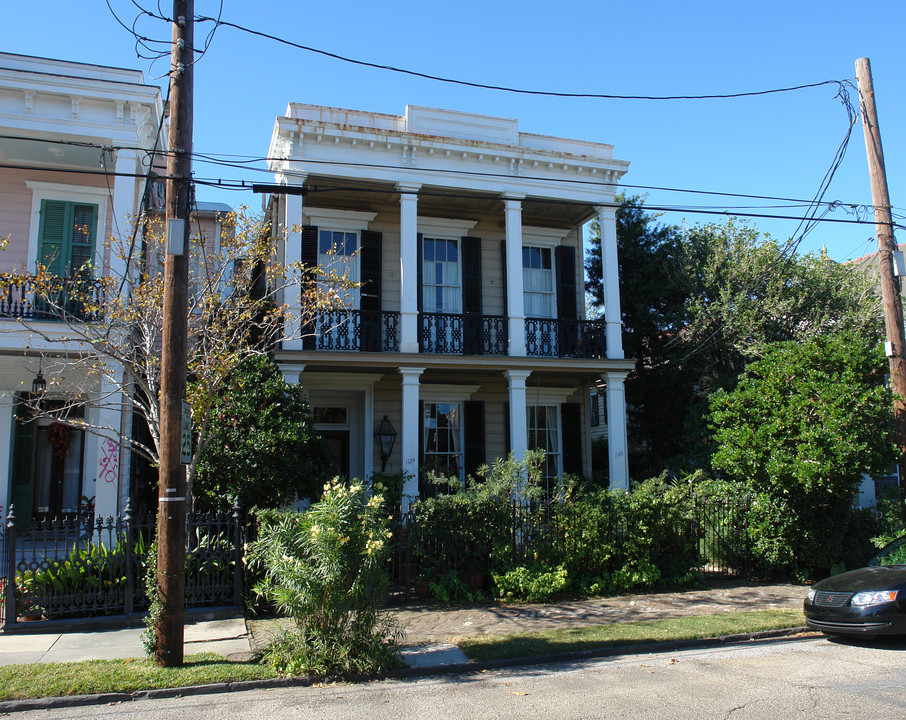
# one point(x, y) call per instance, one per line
point(39, 384)
point(386, 437)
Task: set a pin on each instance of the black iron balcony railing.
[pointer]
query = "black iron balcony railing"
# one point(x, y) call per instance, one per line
point(57, 299)
point(354, 330)
point(550, 337)
point(448, 334)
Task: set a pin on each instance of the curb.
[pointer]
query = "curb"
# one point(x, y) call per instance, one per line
point(10, 706)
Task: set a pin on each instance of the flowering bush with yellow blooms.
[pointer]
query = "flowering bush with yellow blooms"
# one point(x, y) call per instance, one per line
point(325, 569)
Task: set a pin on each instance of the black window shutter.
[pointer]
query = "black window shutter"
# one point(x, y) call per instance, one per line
point(571, 432)
point(471, 275)
point(370, 323)
point(421, 447)
point(371, 270)
point(310, 259)
point(419, 272)
point(566, 300)
point(566, 282)
point(474, 441)
point(471, 295)
point(309, 246)
point(507, 444)
point(503, 279)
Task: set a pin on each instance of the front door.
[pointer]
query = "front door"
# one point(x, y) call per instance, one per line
point(337, 442)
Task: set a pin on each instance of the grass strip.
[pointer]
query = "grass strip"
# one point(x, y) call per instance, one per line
point(499, 647)
point(38, 680)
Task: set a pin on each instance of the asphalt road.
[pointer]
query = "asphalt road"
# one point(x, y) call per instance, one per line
point(809, 678)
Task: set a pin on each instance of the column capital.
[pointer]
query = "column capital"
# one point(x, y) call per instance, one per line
point(517, 376)
point(614, 376)
point(293, 178)
point(607, 211)
point(291, 372)
point(410, 374)
point(512, 202)
point(514, 196)
point(408, 188)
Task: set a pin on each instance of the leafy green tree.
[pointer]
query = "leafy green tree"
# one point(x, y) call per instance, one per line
point(261, 445)
point(698, 304)
point(801, 427)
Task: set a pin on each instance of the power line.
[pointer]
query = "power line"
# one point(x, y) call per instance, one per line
point(241, 164)
point(503, 88)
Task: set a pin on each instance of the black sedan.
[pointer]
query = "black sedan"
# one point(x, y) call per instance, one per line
point(869, 601)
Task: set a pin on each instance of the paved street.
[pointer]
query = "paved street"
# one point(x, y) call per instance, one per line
point(811, 678)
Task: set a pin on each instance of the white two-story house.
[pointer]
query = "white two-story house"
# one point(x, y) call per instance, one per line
point(75, 143)
point(467, 336)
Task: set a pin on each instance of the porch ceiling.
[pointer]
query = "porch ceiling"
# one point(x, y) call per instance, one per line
point(441, 202)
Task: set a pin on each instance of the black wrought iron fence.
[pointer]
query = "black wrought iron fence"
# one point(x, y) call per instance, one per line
point(722, 528)
point(428, 547)
point(80, 566)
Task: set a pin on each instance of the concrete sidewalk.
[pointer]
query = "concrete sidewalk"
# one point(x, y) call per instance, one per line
point(228, 638)
point(431, 632)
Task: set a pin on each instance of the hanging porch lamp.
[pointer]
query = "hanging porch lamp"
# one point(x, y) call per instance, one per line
point(386, 437)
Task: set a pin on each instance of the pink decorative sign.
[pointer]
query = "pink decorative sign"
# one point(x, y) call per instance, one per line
point(108, 464)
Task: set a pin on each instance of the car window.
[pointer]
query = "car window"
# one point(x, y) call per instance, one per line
point(893, 554)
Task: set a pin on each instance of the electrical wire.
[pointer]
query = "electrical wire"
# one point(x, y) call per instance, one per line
point(503, 88)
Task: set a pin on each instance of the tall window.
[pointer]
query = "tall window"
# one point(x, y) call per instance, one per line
point(67, 237)
point(441, 285)
point(443, 437)
point(338, 252)
point(544, 434)
point(538, 282)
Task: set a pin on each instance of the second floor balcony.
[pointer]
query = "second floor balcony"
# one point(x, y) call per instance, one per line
point(29, 298)
point(453, 334)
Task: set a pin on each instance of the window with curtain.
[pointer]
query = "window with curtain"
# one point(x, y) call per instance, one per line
point(443, 437)
point(441, 283)
point(538, 282)
point(338, 252)
point(543, 423)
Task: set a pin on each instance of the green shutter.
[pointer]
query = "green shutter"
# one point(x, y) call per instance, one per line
point(84, 231)
point(52, 253)
point(67, 237)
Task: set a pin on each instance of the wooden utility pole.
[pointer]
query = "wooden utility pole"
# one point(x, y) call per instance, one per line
point(890, 285)
point(171, 516)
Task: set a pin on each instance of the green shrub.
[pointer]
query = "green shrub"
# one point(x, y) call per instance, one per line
point(450, 588)
point(325, 568)
point(532, 584)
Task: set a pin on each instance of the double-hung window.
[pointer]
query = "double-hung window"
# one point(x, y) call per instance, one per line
point(338, 256)
point(441, 283)
point(538, 282)
point(543, 423)
point(443, 448)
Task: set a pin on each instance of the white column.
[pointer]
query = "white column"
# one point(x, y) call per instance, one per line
point(515, 300)
point(408, 267)
point(124, 207)
point(617, 448)
point(291, 372)
point(368, 434)
point(409, 438)
point(292, 253)
point(518, 426)
point(611, 278)
point(105, 453)
point(6, 451)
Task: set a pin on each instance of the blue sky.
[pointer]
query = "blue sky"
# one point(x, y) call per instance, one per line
point(774, 145)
